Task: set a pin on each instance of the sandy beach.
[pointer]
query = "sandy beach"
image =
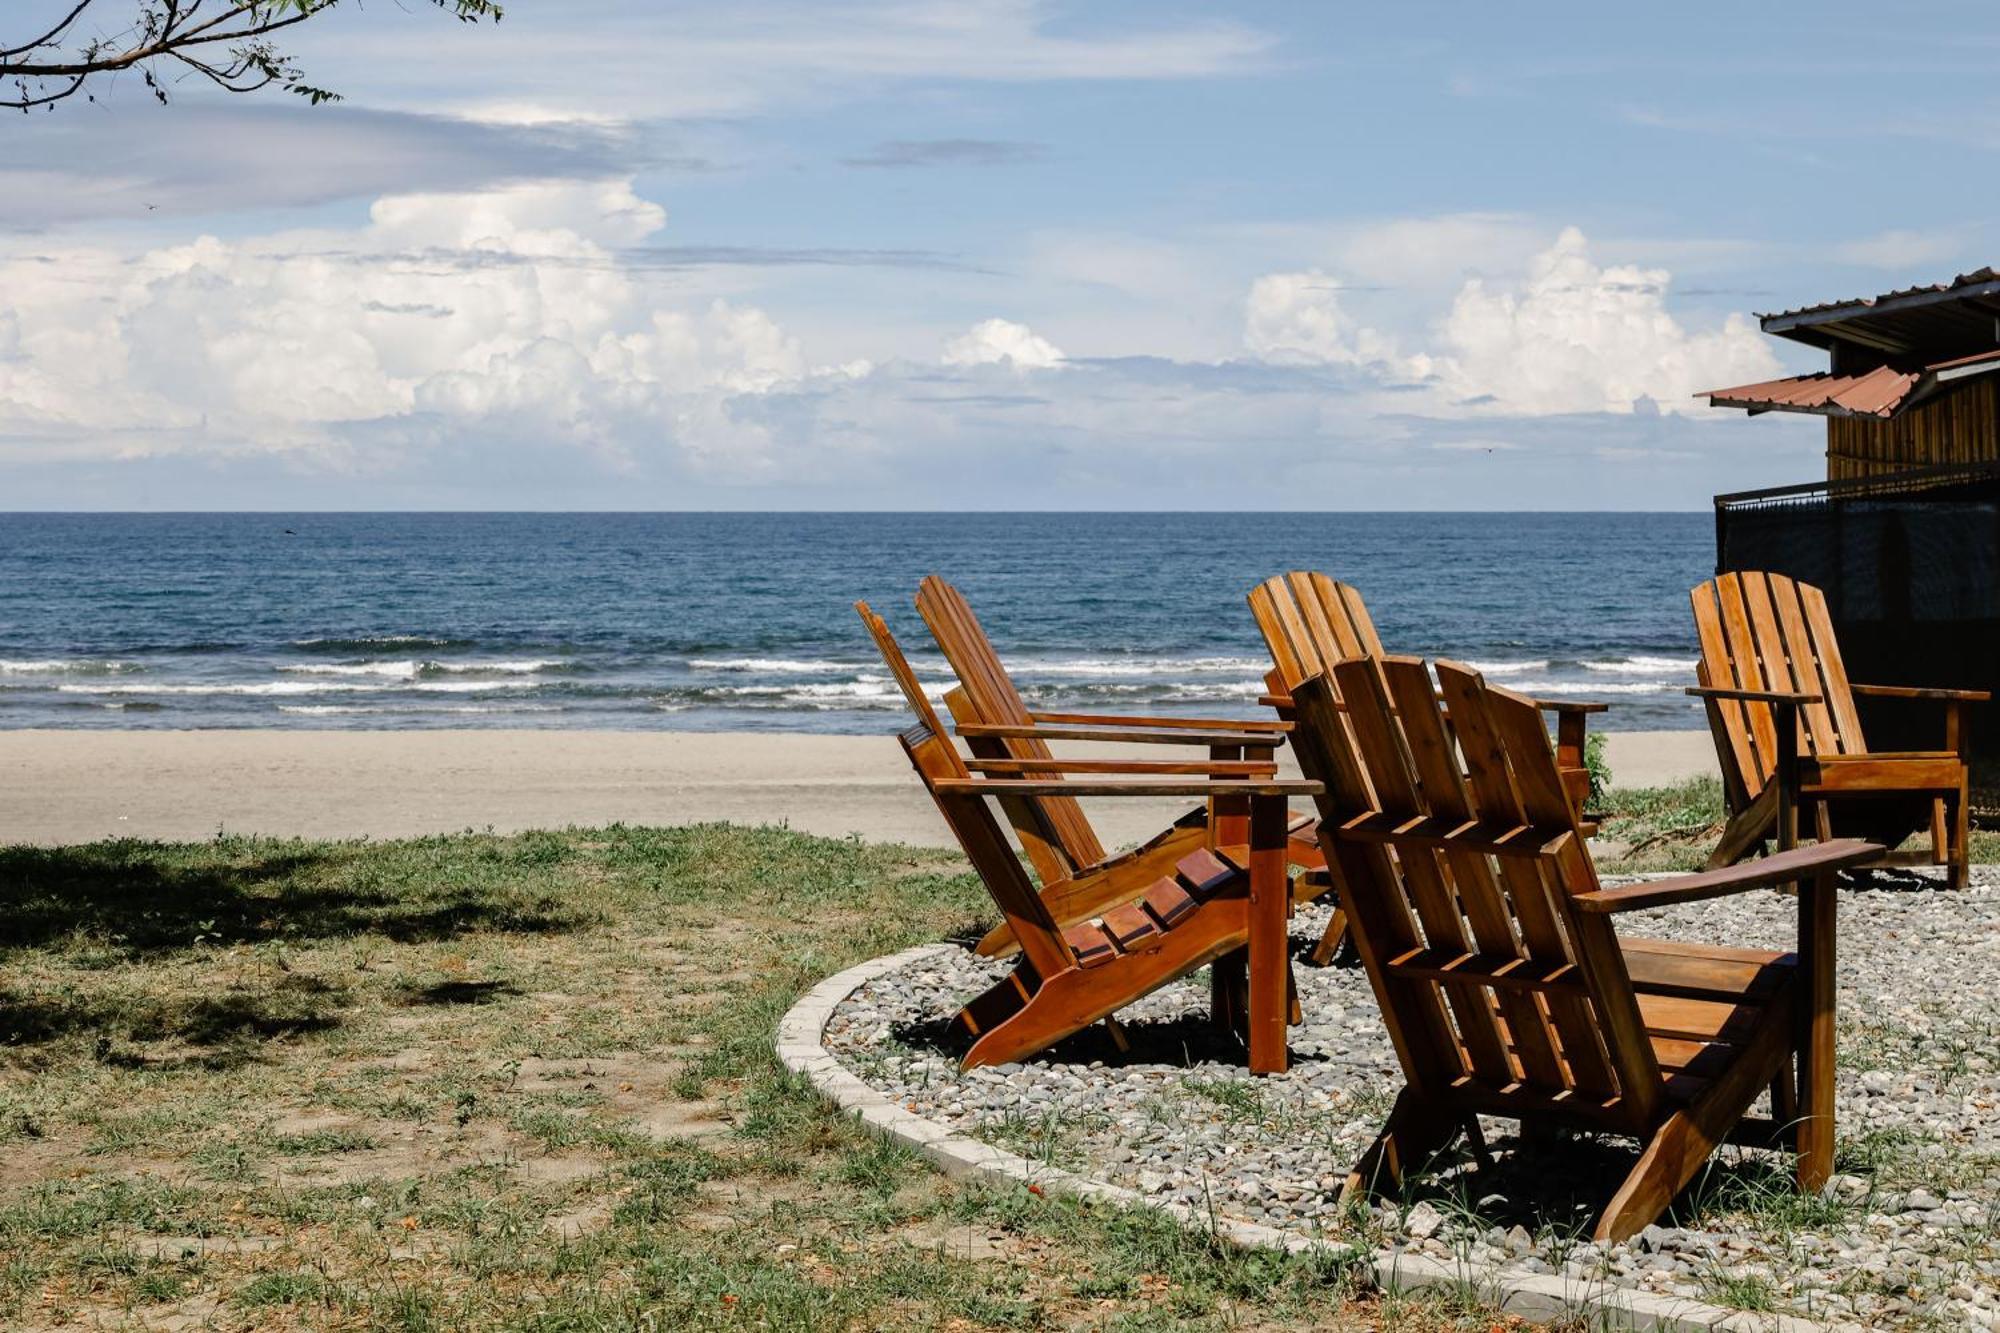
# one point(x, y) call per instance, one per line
point(76, 786)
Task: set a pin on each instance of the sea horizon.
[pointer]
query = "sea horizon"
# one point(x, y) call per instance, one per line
point(741, 620)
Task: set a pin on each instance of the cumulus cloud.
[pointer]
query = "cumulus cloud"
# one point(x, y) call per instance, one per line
point(1577, 337)
point(994, 341)
point(311, 342)
point(1297, 319)
point(1569, 336)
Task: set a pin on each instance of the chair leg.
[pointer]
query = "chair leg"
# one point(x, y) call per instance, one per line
point(1746, 829)
point(1330, 942)
point(1961, 837)
point(1684, 1141)
point(998, 1002)
point(1412, 1136)
point(1785, 1103)
point(1229, 991)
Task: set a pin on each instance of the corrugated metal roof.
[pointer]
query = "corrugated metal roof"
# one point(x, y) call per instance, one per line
point(1972, 279)
point(1915, 323)
point(1881, 392)
point(1876, 394)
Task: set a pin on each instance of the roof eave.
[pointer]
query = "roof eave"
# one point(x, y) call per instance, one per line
point(1804, 325)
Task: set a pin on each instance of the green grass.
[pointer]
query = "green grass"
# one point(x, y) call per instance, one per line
point(485, 1082)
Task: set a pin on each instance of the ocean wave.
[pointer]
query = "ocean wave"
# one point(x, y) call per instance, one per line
point(249, 688)
point(1641, 665)
point(65, 666)
point(338, 710)
point(1509, 668)
point(412, 669)
point(770, 665)
point(1136, 666)
point(1587, 688)
point(366, 643)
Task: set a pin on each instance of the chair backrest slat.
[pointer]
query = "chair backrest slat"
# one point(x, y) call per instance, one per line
point(1311, 622)
point(1490, 981)
point(995, 701)
point(1761, 631)
point(933, 756)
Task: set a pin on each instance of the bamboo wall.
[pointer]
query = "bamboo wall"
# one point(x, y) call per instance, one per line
point(1962, 426)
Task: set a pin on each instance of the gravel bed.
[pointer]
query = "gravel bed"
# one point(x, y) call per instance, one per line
point(1907, 1234)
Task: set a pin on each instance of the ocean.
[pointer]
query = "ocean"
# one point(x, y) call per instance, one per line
point(743, 621)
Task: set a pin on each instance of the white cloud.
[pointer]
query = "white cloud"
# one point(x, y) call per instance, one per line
point(1297, 319)
point(505, 309)
point(1568, 336)
point(1576, 337)
point(992, 341)
point(688, 59)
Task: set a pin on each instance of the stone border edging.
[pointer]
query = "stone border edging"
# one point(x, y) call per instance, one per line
point(1540, 1297)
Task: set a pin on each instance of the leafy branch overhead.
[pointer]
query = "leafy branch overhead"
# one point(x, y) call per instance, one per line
point(230, 43)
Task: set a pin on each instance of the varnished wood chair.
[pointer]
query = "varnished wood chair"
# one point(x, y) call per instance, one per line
point(1079, 878)
point(1789, 739)
point(1202, 909)
point(1311, 621)
point(1492, 954)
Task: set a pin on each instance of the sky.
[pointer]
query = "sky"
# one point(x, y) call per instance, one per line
point(614, 254)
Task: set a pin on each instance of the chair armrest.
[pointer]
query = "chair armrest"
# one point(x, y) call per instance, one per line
point(1275, 700)
point(1923, 692)
point(1753, 696)
point(1798, 863)
point(1155, 723)
point(1571, 706)
point(1257, 739)
point(1214, 768)
point(1143, 787)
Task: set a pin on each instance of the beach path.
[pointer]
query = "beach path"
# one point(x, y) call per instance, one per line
point(78, 786)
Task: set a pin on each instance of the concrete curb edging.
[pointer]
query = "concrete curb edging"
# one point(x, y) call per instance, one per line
point(1539, 1298)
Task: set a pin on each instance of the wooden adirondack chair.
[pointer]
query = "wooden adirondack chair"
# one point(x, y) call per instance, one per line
point(1787, 735)
point(1311, 621)
point(1079, 879)
point(1491, 949)
point(1202, 910)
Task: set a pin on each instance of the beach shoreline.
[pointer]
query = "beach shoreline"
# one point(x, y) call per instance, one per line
point(67, 786)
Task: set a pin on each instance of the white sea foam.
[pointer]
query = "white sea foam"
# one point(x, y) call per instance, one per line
point(57, 666)
point(519, 667)
point(403, 670)
point(1642, 665)
point(1509, 668)
point(470, 686)
point(1136, 666)
point(1587, 688)
point(770, 665)
point(333, 710)
point(257, 688)
point(411, 669)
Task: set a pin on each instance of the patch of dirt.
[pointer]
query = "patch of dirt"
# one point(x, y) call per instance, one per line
point(558, 1170)
point(170, 1248)
point(734, 1203)
point(581, 1221)
point(959, 1241)
point(31, 1162)
point(683, 1120)
point(300, 1124)
point(414, 1150)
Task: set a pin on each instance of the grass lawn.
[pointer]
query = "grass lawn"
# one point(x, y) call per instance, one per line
point(517, 1082)
point(1674, 828)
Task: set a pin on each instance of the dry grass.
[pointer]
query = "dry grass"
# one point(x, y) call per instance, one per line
point(525, 1082)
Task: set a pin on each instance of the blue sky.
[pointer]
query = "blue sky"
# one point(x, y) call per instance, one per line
point(1009, 255)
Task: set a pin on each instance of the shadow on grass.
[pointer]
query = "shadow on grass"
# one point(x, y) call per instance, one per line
point(142, 898)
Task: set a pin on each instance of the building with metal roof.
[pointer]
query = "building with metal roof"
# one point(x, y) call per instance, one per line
point(1903, 532)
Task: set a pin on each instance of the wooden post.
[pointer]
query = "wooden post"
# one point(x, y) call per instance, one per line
point(1228, 816)
point(1270, 906)
point(1786, 774)
point(1816, 961)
